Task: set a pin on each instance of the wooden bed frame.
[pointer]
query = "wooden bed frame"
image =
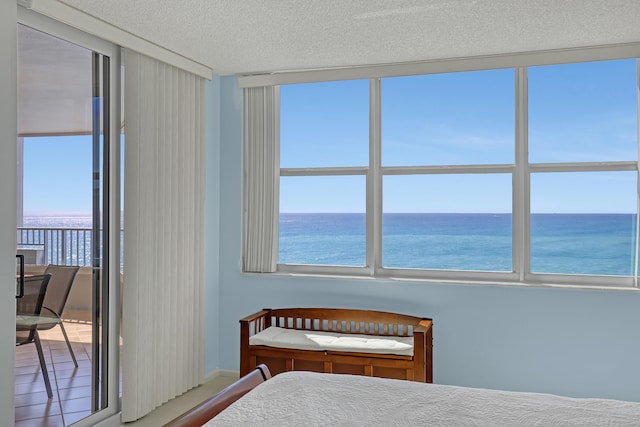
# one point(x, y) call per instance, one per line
point(418, 367)
point(200, 414)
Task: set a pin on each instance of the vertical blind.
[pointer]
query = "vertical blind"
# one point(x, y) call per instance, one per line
point(163, 349)
point(262, 179)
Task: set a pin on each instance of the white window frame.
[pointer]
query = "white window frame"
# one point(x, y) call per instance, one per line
point(521, 172)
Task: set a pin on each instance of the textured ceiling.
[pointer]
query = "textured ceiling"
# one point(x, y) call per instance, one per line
point(246, 36)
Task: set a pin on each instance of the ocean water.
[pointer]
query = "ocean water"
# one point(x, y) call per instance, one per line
point(59, 221)
point(560, 243)
point(63, 245)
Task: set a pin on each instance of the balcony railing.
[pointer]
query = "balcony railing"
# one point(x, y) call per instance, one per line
point(63, 246)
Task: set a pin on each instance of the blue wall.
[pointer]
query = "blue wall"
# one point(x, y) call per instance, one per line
point(573, 342)
point(212, 225)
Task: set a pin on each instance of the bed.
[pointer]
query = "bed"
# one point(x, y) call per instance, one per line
point(299, 398)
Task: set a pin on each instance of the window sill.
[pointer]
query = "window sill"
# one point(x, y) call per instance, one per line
point(442, 281)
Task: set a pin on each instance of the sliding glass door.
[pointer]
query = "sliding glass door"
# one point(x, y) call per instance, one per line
point(68, 214)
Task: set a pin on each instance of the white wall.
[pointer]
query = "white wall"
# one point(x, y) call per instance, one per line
point(566, 341)
point(7, 206)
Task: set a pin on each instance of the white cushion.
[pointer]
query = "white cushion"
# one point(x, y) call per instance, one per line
point(322, 341)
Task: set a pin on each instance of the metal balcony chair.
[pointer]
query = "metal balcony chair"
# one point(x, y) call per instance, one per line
point(55, 299)
point(28, 308)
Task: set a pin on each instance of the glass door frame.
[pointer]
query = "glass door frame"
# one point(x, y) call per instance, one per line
point(111, 406)
point(8, 134)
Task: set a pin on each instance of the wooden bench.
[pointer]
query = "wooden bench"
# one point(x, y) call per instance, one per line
point(377, 324)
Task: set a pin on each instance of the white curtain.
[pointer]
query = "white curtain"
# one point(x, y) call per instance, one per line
point(163, 340)
point(262, 178)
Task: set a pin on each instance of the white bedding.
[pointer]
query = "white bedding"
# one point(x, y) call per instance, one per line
point(318, 340)
point(312, 399)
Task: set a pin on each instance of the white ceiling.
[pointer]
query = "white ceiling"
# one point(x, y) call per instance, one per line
point(249, 36)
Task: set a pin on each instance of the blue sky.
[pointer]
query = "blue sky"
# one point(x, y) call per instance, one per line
point(57, 174)
point(577, 113)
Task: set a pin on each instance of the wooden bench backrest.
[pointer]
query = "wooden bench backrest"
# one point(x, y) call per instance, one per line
point(348, 321)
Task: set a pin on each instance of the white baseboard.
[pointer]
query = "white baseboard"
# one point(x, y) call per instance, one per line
point(221, 373)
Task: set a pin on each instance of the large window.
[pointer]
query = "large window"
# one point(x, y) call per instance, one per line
point(515, 175)
point(465, 122)
point(324, 146)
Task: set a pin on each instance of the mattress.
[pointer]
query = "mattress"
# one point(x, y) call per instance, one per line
point(315, 399)
point(323, 341)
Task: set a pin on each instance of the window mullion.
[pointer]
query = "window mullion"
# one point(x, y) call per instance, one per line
point(374, 179)
point(324, 171)
point(521, 179)
point(584, 166)
point(447, 169)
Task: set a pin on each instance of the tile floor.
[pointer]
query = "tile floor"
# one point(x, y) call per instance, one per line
point(71, 386)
